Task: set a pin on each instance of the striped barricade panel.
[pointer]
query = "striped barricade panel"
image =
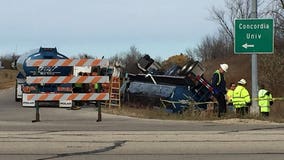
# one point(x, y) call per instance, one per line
point(68, 62)
point(67, 79)
point(66, 96)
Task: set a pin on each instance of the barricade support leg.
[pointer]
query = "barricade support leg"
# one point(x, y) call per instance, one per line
point(37, 112)
point(99, 111)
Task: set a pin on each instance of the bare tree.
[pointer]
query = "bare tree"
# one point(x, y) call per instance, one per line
point(226, 17)
point(276, 11)
point(128, 59)
point(193, 54)
point(213, 47)
point(8, 59)
point(272, 66)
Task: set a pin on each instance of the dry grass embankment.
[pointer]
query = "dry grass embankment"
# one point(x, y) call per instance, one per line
point(7, 78)
point(156, 113)
point(160, 113)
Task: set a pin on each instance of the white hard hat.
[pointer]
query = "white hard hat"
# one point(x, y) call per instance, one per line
point(242, 81)
point(224, 67)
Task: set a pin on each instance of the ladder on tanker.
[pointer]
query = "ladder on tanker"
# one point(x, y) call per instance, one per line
point(114, 93)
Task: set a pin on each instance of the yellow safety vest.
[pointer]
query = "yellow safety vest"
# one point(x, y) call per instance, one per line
point(264, 100)
point(219, 77)
point(240, 97)
point(96, 86)
point(229, 95)
point(78, 85)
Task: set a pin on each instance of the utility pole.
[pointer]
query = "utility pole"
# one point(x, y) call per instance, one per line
point(254, 80)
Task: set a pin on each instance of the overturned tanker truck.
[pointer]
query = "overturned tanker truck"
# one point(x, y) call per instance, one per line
point(176, 88)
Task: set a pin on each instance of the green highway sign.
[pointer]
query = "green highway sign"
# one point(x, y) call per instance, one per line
point(254, 36)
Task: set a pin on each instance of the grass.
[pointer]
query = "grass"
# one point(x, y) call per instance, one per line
point(160, 113)
point(7, 78)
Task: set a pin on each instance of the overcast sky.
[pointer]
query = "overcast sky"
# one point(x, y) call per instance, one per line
point(105, 27)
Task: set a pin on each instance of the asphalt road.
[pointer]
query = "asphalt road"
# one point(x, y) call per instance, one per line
point(67, 134)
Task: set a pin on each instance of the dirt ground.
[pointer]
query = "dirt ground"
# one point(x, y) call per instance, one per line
point(7, 78)
point(245, 121)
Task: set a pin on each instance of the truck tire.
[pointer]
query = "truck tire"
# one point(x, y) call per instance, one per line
point(185, 69)
point(16, 90)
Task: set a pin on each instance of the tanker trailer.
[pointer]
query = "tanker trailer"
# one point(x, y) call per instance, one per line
point(25, 71)
point(177, 86)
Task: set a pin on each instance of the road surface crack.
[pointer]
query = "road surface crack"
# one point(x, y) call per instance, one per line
point(106, 149)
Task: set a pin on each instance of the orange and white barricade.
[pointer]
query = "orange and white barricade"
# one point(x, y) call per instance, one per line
point(65, 99)
point(68, 62)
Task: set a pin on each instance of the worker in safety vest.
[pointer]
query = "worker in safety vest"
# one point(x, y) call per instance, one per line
point(78, 87)
point(229, 97)
point(219, 88)
point(95, 86)
point(241, 98)
point(264, 101)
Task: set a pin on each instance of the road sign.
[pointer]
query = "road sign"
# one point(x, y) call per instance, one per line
point(254, 36)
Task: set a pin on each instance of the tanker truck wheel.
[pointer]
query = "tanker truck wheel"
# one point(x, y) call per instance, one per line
point(16, 90)
point(185, 70)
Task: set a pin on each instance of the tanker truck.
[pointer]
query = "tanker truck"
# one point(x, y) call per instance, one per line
point(176, 88)
point(25, 71)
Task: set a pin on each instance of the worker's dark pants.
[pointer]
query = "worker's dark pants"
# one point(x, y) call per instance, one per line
point(242, 111)
point(77, 90)
point(265, 114)
point(222, 106)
